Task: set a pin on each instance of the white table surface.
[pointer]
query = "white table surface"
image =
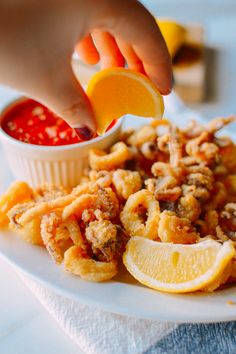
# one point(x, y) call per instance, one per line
point(25, 326)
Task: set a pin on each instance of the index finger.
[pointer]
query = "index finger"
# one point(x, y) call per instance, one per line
point(131, 22)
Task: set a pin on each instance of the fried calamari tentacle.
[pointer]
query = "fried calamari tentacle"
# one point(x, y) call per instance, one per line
point(175, 146)
point(174, 229)
point(166, 186)
point(189, 208)
point(119, 154)
point(102, 236)
point(18, 192)
point(15, 213)
point(126, 182)
point(143, 135)
point(56, 233)
point(228, 220)
point(104, 200)
point(217, 124)
point(199, 182)
point(33, 210)
point(77, 262)
point(140, 215)
point(164, 189)
point(202, 148)
point(49, 224)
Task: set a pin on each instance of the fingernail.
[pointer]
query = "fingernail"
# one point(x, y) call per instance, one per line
point(84, 133)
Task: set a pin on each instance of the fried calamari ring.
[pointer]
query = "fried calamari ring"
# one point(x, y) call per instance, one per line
point(77, 262)
point(18, 192)
point(176, 230)
point(133, 215)
point(99, 160)
point(49, 225)
point(126, 182)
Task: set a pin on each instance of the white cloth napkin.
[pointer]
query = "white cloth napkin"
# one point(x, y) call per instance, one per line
point(96, 331)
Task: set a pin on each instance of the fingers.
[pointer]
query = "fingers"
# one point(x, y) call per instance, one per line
point(130, 22)
point(106, 45)
point(87, 51)
point(64, 95)
point(130, 56)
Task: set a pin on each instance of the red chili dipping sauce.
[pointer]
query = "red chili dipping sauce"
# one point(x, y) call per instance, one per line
point(33, 123)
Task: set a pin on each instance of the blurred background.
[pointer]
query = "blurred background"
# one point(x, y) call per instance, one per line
point(218, 19)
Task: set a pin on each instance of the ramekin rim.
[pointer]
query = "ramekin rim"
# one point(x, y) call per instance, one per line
point(22, 144)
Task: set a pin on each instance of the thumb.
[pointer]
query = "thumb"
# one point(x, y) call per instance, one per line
point(65, 96)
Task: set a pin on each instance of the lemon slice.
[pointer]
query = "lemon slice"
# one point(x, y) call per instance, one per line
point(117, 91)
point(173, 33)
point(177, 268)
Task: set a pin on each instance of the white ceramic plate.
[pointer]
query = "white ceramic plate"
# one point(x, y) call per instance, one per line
point(123, 294)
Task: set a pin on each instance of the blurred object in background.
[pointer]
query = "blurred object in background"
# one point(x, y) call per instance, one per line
point(186, 47)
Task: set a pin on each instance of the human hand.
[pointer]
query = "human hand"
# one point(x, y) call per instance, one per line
point(37, 40)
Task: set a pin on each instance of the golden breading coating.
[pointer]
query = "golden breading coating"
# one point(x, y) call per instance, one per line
point(174, 229)
point(230, 184)
point(228, 158)
point(143, 135)
point(164, 189)
point(104, 200)
point(211, 221)
point(140, 215)
point(126, 182)
point(219, 197)
point(102, 236)
point(54, 232)
point(18, 192)
point(149, 150)
point(218, 123)
point(48, 192)
point(201, 148)
point(31, 232)
point(49, 225)
point(118, 155)
point(78, 263)
point(84, 201)
point(189, 208)
point(102, 178)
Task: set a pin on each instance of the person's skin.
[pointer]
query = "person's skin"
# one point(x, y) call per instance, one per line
point(37, 39)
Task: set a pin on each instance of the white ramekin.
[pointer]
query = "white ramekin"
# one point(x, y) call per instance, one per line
point(57, 165)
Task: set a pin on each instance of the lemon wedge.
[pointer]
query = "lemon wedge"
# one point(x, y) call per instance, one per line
point(173, 33)
point(178, 268)
point(115, 92)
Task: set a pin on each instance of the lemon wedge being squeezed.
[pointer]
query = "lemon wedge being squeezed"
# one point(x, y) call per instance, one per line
point(117, 91)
